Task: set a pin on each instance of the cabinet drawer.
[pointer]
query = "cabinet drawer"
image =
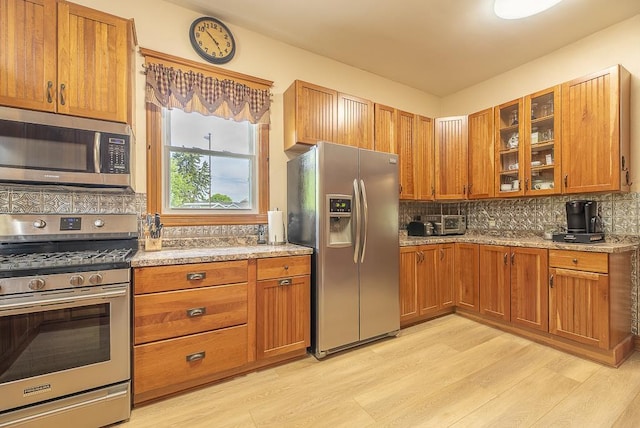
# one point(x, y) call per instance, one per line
point(179, 277)
point(177, 313)
point(278, 267)
point(579, 260)
point(174, 361)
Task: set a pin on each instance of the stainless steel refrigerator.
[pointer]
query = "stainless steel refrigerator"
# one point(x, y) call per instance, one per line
point(343, 202)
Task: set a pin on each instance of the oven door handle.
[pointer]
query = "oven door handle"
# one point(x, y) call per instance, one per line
point(69, 300)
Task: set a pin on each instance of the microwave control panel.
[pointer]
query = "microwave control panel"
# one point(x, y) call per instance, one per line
point(117, 154)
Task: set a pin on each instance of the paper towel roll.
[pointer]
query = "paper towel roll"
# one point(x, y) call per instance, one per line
point(276, 227)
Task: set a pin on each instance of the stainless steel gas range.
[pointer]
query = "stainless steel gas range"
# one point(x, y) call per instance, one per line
point(65, 319)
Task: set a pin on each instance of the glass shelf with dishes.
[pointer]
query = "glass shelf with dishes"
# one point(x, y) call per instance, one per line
point(509, 148)
point(541, 130)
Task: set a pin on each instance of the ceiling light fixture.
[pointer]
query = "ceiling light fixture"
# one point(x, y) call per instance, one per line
point(516, 9)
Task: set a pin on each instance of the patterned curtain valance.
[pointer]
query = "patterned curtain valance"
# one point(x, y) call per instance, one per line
point(193, 91)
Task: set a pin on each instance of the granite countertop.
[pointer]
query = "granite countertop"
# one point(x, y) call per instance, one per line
point(177, 256)
point(528, 240)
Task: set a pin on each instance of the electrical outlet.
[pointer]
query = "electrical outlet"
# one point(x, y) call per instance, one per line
point(492, 223)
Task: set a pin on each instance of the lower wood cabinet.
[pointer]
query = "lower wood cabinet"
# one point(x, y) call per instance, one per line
point(467, 282)
point(196, 323)
point(513, 285)
point(283, 308)
point(426, 281)
point(582, 303)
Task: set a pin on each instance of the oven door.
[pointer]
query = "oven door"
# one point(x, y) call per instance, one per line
point(58, 343)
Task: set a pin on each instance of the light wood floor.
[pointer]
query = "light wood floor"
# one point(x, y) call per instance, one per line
point(447, 372)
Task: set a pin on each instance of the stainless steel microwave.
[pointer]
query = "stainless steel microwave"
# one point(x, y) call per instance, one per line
point(39, 147)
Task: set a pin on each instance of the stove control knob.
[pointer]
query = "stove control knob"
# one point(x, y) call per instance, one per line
point(98, 222)
point(76, 280)
point(39, 224)
point(36, 284)
point(96, 278)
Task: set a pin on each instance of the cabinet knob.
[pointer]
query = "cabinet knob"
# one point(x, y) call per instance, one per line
point(575, 261)
point(286, 267)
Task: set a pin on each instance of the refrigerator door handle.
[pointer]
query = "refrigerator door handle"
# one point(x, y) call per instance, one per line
point(366, 219)
point(356, 193)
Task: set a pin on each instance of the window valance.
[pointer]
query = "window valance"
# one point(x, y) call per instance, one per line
point(174, 85)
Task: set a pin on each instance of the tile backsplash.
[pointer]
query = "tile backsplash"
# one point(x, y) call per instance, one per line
point(619, 212)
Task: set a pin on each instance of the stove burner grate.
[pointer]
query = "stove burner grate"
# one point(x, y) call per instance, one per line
point(66, 258)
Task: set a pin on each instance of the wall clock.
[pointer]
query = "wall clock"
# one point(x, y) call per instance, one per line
point(212, 40)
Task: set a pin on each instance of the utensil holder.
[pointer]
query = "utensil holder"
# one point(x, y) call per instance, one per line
point(152, 244)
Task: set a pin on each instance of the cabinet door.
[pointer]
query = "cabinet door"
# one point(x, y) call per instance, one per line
point(405, 141)
point(594, 111)
point(408, 284)
point(451, 157)
point(355, 121)
point(495, 278)
point(28, 54)
point(508, 145)
point(467, 262)
point(579, 306)
point(93, 63)
point(283, 315)
point(542, 137)
point(427, 278)
point(446, 275)
point(481, 155)
point(424, 161)
point(529, 289)
point(385, 129)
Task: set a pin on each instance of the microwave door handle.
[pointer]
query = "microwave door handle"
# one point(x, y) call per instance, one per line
point(97, 168)
point(366, 219)
point(356, 206)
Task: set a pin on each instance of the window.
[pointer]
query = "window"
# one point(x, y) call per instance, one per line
point(211, 164)
point(208, 143)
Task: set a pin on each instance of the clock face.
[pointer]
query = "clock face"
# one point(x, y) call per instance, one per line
point(212, 40)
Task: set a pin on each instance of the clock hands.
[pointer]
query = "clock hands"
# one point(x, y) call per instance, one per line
point(214, 40)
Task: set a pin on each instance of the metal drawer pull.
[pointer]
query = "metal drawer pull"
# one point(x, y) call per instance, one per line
point(196, 312)
point(195, 357)
point(551, 281)
point(50, 97)
point(285, 281)
point(62, 94)
point(196, 276)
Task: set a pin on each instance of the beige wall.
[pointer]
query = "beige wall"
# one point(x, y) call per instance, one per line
point(164, 27)
point(618, 44)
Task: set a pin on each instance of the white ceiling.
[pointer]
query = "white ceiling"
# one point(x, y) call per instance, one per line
point(438, 46)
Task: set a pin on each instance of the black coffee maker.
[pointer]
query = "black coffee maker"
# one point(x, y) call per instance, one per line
point(584, 223)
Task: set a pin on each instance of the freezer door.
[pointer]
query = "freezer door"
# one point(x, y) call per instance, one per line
point(337, 295)
point(379, 274)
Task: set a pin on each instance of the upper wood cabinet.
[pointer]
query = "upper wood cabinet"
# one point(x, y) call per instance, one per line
point(385, 129)
point(65, 58)
point(310, 114)
point(405, 132)
point(451, 159)
point(595, 132)
point(508, 145)
point(542, 142)
point(423, 155)
point(481, 155)
point(355, 121)
point(314, 113)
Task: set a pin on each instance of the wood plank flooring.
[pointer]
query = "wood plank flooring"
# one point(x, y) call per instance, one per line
point(449, 372)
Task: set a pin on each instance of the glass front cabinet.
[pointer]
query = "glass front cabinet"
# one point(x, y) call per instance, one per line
point(509, 153)
point(528, 145)
point(542, 142)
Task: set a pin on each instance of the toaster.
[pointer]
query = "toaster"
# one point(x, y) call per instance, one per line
point(419, 228)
